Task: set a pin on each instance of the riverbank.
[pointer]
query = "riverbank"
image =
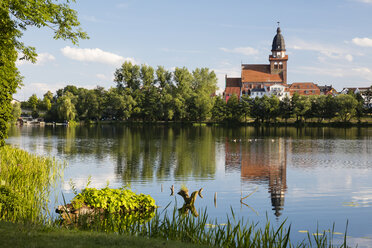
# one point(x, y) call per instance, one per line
point(292, 122)
point(20, 235)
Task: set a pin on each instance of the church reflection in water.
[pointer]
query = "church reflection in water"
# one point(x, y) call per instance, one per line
point(261, 161)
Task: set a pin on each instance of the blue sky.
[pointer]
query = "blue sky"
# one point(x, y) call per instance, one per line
point(328, 41)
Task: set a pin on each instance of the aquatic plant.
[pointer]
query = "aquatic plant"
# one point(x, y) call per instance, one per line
point(26, 183)
point(104, 205)
point(122, 200)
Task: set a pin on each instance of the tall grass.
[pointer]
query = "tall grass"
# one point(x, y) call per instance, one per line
point(26, 182)
point(205, 231)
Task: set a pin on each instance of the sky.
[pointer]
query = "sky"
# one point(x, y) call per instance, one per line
point(327, 41)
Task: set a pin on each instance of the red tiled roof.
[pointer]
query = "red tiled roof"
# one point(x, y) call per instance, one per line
point(307, 88)
point(232, 90)
point(229, 91)
point(233, 82)
point(303, 86)
point(259, 73)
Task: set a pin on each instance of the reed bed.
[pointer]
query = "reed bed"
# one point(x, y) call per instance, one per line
point(203, 231)
point(26, 182)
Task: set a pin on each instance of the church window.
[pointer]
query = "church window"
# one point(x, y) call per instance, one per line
point(280, 65)
point(276, 65)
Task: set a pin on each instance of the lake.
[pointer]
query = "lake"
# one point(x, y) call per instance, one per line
point(310, 177)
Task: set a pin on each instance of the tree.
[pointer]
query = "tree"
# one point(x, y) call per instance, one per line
point(16, 17)
point(219, 109)
point(301, 105)
point(33, 102)
point(128, 76)
point(118, 104)
point(360, 109)
point(233, 109)
point(204, 85)
point(346, 105)
point(274, 108)
point(65, 108)
point(46, 103)
point(260, 109)
point(285, 109)
point(183, 91)
point(16, 111)
point(164, 80)
point(330, 110)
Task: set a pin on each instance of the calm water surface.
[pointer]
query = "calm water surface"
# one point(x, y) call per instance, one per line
point(309, 176)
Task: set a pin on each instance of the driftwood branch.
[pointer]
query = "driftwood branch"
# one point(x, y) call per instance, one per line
point(189, 200)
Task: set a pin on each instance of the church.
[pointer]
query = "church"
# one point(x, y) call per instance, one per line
point(257, 77)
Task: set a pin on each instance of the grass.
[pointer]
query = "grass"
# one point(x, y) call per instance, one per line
point(19, 235)
point(26, 181)
point(204, 231)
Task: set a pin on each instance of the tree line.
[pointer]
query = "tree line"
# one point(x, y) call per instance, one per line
point(145, 94)
point(141, 94)
point(319, 108)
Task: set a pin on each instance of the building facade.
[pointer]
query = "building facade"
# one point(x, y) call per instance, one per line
point(304, 89)
point(259, 76)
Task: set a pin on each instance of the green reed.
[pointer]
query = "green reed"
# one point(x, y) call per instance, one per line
point(26, 182)
point(203, 230)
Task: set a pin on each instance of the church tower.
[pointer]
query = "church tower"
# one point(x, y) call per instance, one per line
point(278, 59)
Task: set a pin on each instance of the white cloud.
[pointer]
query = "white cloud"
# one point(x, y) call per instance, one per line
point(90, 19)
point(94, 55)
point(42, 58)
point(241, 50)
point(349, 57)
point(364, 42)
point(362, 70)
point(171, 50)
point(337, 71)
point(334, 72)
point(365, 1)
point(37, 88)
point(326, 51)
point(101, 76)
point(122, 5)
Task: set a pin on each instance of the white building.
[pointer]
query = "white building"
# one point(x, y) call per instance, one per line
point(280, 91)
point(259, 92)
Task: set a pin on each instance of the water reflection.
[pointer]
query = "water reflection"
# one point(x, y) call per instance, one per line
point(261, 161)
point(323, 172)
point(139, 153)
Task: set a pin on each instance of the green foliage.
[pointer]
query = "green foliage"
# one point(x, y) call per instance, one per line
point(25, 235)
point(219, 109)
point(121, 200)
point(9, 201)
point(286, 109)
point(233, 109)
point(15, 17)
point(301, 106)
point(206, 231)
point(346, 105)
point(33, 102)
point(16, 111)
point(26, 183)
point(66, 108)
